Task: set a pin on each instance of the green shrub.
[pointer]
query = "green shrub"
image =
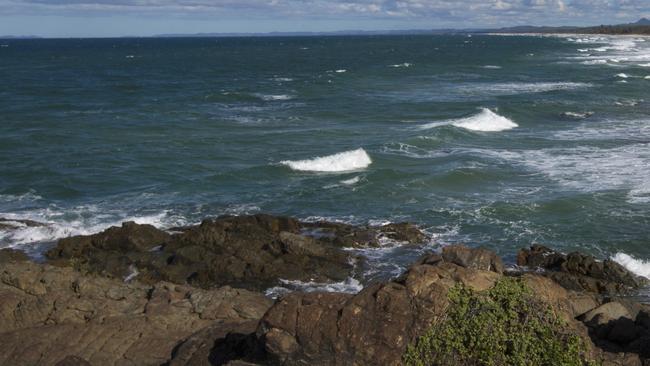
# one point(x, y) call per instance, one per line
point(502, 326)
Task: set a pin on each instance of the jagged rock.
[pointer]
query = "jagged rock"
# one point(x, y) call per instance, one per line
point(252, 252)
point(49, 314)
point(350, 236)
point(580, 272)
point(372, 327)
point(375, 325)
point(480, 258)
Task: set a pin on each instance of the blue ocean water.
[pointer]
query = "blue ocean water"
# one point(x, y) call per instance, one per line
point(501, 141)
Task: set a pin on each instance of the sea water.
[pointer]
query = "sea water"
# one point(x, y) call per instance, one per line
point(499, 141)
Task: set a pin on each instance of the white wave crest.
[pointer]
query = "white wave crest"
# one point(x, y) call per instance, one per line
point(341, 162)
point(636, 266)
point(577, 115)
point(61, 223)
point(405, 64)
point(492, 67)
point(484, 121)
point(350, 286)
point(273, 97)
point(622, 76)
point(594, 62)
point(351, 181)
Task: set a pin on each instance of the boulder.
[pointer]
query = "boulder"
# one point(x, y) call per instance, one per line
point(606, 313)
point(477, 258)
point(51, 315)
point(580, 272)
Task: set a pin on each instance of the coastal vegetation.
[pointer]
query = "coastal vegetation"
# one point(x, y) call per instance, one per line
point(505, 325)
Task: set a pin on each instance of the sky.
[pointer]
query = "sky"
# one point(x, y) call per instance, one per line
point(106, 18)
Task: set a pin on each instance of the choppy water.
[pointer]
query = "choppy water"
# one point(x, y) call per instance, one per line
point(499, 141)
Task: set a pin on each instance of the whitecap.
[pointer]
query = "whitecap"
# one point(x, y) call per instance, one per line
point(577, 115)
point(636, 266)
point(350, 286)
point(622, 76)
point(493, 67)
point(274, 97)
point(405, 64)
point(340, 162)
point(594, 62)
point(340, 71)
point(516, 88)
point(484, 121)
point(351, 181)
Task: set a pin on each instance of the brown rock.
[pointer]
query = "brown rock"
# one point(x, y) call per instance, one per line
point(579, 272)
point(12, 255)
point(49, 313)
point(481, 259)
point(372, 327)
point(73, 361)
point(608, 312)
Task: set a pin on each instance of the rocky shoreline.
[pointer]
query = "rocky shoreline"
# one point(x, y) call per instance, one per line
point(137, 295)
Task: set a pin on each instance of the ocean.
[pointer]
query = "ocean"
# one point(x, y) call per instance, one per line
point(497, 141)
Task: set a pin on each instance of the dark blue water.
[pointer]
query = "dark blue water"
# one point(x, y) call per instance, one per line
point(488, 140)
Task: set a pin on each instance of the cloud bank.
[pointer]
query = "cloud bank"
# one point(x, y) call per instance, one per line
point(391, 13)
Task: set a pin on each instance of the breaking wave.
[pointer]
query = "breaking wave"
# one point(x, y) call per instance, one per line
point(341, 162)
point(484, 121)
point(637, 266)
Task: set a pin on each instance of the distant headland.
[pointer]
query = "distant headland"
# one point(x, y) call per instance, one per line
point(641, 27)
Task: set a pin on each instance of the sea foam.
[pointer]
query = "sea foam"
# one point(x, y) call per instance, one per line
point(484, 121)
point(350, 286)
point(637, 266)
point(341, 162)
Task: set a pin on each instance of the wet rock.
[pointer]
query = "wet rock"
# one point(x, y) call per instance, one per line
point(12, 224)
point(580, 272)
point(253, 252)
point(351, 236)
point(50, 315)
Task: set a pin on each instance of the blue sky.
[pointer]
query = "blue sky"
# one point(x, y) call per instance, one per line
point(101, 18)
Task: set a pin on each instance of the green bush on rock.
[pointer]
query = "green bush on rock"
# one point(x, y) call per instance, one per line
point(504, 325)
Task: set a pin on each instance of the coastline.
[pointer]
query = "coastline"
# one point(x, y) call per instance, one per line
point(195, 296)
